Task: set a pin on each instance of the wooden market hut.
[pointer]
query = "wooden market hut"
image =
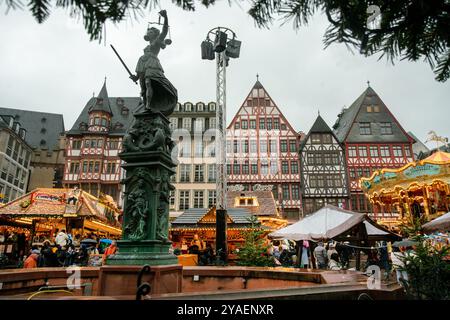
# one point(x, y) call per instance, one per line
point(418, 189)
point(45, 209)
point(203, 223)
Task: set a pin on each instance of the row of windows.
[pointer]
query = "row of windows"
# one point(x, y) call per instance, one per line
point(263, 124)
point(265, 146)
point(200, 148)
point(323, 158)
point(263, 167)
point(16, 150)
point(200, 107)
point(365, 128)
point(379, 151)
point(325, 180)
point(312, 205)
point(359, 172)
point(9, 193)
point(94, 143)
point(185, 173)
point(196, 124)
point(321, 138)
point(93, 167)
point(13, 173)
point(97, 121)
point(198, 199)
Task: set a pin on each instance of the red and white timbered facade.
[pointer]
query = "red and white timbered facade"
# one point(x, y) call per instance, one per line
point(93, 145)
point(373, 139)
point(262, 152)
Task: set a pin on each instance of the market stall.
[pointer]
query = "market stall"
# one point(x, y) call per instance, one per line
point(199, 226)
point(38, 214)
point(333, 223)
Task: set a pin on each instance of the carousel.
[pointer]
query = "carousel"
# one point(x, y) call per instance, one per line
point(419, 189)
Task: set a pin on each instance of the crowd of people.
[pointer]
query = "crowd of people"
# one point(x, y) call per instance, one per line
point(337, 256)
point(63, 250)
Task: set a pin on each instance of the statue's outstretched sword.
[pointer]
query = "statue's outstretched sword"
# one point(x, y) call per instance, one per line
point(123, 63)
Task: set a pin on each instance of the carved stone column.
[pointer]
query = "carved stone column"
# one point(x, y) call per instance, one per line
point(148, 164)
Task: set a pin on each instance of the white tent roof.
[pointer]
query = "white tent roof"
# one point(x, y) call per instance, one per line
point(327, 223)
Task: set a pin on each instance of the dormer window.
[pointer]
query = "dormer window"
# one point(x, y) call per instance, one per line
point(124, 111)
point(43, 130)
point(188, 107)
point(44, 120)
point(245, 201)
point(99, 100)
point(212, 106)
point(43, 143)
point(177, 107)
point(118, 125)
point(120, 102)
point(83, 125)
point(200, 106)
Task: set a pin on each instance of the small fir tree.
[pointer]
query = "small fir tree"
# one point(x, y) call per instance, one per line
point(254, 251)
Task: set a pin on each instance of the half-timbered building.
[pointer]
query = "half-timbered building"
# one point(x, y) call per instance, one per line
point(94, 142)
point(323, 169)
point(262, 152)
point(373, 139)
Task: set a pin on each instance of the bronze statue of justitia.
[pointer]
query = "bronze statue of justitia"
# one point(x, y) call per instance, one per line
point(158, 94)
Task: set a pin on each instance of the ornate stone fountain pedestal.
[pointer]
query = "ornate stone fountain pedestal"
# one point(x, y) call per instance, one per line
point(148, 164)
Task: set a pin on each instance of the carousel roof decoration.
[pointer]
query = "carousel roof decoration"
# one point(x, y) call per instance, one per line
point(434, 169)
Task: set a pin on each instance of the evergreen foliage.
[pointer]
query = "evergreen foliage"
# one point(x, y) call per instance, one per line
point(407, 30)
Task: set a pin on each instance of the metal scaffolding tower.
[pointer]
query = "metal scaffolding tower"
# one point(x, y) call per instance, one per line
point(224, 47)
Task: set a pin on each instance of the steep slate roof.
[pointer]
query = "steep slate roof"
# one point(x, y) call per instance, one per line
point(191, 217)
point(131, 103)
point(319, 126)
point(347, 128)
point(266, 201)
point(102, 102)
point(35, 122)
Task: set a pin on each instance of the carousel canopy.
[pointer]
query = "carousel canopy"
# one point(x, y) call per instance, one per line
point(441, 224)
point(434, 169)
point(330, 222)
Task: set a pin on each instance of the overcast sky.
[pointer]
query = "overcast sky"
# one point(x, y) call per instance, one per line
point(53, 67)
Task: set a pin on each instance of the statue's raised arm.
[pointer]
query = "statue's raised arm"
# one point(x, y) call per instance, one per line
point(165, 27)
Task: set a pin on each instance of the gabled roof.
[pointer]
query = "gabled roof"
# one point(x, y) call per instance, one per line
point(258, 86)
point(102, 101)
point(319, 126)
point(40, 126)
point(347, 129)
